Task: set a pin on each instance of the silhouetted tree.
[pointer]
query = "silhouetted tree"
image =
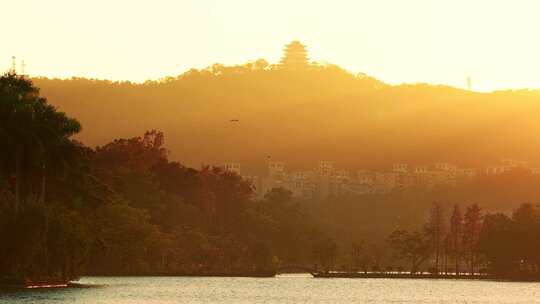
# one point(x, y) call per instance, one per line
point(356, 250)
point(37, 143)
point(472, 225)
point(456, 232)
point(526, 220)
point(325, 252)
point(278, 195)
point(35, 134)
point(447, 245)
point(411, 246)
point(497, 243)
point(436, 230)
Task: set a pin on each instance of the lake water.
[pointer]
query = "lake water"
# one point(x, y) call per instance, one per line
point(282, 289)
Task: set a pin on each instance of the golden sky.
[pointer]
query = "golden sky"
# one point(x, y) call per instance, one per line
point(496, 42)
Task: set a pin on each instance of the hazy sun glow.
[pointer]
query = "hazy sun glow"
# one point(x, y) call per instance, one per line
point(495, 42)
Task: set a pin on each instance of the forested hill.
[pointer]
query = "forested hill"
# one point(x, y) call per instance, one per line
point(301, 117)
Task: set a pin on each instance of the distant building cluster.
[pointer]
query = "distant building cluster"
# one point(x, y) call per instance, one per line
point(325, 180)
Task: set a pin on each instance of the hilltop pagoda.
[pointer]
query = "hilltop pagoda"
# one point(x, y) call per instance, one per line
point(294, 56)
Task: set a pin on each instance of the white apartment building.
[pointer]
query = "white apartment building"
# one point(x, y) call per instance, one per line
point(440, 177)
point(492, 170)
point(385, 181)
point(445, 167)
point(401, 168)
point(326, 181)
point(276, 169)
point(505, 165)
point(512, 163)
point(365, 177)
point(535, 171)
point(420, 170)
point(232, 167)
point(325, 168)
point(465, 173)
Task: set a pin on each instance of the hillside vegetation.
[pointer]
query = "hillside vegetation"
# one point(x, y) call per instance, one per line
point(302, 116)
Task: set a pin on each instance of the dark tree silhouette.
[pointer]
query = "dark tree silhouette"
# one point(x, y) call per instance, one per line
point(410, 246)
point(436, 230)
point(456, 232)
point(472, 225)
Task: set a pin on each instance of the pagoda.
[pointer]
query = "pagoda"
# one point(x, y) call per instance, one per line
point(294, 56)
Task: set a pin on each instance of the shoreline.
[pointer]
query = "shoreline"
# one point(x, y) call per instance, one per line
point(317, 275)
point(427, 276)
point(361, 275)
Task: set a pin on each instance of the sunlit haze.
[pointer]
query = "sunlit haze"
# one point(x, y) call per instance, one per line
point(194, 151)
point(494, 42)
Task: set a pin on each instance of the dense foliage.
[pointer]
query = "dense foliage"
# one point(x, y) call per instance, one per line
point(495, 244)
point(125, 208)
point(178, 220)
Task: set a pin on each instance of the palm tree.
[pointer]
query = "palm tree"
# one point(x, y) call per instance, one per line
point(56, 149)
point(16, 118)
point(456, 232)
point(35, 133)
point(36, 136)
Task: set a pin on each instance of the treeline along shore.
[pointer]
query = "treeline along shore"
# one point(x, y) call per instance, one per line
point(125, 208)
